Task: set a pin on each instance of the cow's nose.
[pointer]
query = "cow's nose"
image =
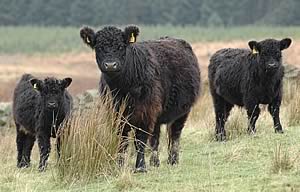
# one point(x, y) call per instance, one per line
point(51, 105)
point(111, 65)
point(272, 65)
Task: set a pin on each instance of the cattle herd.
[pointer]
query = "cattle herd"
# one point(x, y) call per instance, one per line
point(160, 81)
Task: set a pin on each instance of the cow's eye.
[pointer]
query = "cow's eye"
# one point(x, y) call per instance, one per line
point(278, 55)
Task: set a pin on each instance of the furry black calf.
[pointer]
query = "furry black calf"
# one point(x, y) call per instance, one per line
point(39, 107)
point(160, 78)
point(247, 78)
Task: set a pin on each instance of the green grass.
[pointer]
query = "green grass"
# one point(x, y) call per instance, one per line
point(32, 40)
point(242, 164)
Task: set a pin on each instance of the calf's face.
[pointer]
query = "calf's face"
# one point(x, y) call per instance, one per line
point(52, 91)
point(268, 52)
point(110, 45)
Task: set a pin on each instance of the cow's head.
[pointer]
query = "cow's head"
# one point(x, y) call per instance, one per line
point(110, 45)
point(268, 52)
point(52, 91)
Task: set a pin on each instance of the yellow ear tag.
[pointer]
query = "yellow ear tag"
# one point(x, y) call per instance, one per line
point(132, 38)
point(35, 86)
point(88, 40)
point(254, 51)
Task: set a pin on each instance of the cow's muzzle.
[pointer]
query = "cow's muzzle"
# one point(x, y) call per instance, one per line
point(111, 66)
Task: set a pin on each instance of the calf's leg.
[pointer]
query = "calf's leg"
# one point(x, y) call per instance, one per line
point(140, 142)
point(123, 147)
point(20, 140)
point(29, 142)
point(274, 108)
point(154, 143)
point(222, 111)
point(174, 131)
point(44, 146)
point(253, 112)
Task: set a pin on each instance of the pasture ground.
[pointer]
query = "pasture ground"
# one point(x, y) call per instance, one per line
point(244, 163)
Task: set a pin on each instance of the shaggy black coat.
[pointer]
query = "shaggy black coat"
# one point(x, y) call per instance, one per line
point(39, 107)
point(161, 79)
point(247, 78)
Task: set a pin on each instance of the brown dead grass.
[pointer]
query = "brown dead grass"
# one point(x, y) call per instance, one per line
point(85, 73)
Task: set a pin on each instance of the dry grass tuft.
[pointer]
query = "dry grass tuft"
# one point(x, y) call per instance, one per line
point(281, 160)
point(90, 142)
point(125, 181)
point(236, 124)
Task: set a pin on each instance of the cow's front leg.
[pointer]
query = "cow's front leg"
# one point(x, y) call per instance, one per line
point(44, 146)
point(253, 112)
point(274, 108)
point(154, 143)
point(140, 143)
point(123, 147)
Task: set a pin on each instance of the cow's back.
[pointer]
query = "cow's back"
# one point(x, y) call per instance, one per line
point(179, 75)
point(25, 102)
point(227, 70)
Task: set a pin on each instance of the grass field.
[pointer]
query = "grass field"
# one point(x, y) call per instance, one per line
point(31, 40)
point(263, 162)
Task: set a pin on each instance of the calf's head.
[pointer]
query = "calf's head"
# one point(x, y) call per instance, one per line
point(268, 52)
point(52, 91)
point(110, 45)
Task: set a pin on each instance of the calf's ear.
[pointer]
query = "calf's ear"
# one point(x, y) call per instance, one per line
point(88, 36)
point(130, 33)
point(285, 43)
point(254, 46)
point(66, 82)
point(36, 84)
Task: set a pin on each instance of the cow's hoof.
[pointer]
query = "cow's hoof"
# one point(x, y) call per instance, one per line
point(280, 131)
point(173, 159)
point(23, 165)
point(251, 131)
point(140, 170)
point(121, 160)
point(154, 159)
point(42, 168)
point(221, 137)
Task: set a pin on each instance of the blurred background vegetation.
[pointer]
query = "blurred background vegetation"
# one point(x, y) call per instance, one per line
point(52, 26)
point(150, 12)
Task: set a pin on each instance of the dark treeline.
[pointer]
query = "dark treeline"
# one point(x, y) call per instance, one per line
point(175, 12)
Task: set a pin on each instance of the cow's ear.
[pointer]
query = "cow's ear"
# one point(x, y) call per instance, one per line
point(36, 84)
point(285, 43)
point(66, 82)
point(88, 36)
point(131, 33)
point(254, 46)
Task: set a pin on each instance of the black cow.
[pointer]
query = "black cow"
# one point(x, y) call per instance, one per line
point(39, 107)
point(247, 78)
point(161, 79)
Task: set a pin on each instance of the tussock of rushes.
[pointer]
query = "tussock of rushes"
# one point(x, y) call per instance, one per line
point(236, 124)
point(202, 116)
point(203, 107)
point(125, 181)
point(90, 142)
point(281, 160)
point(292, 102)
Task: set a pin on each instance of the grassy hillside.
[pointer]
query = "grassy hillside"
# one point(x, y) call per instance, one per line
point(262, 162)
point(30, 40)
